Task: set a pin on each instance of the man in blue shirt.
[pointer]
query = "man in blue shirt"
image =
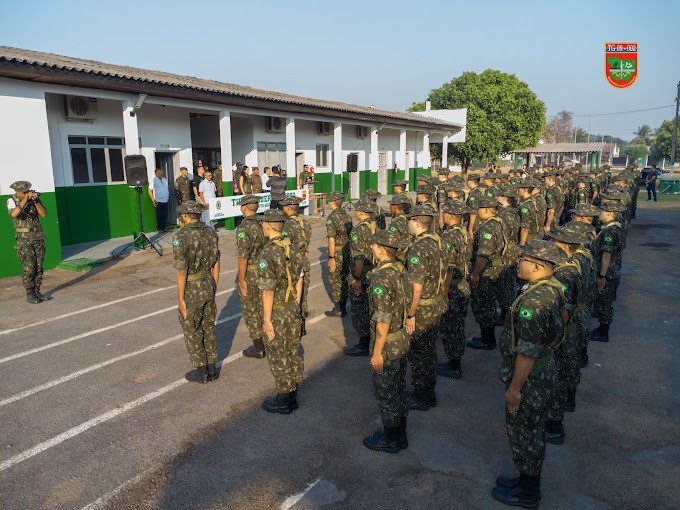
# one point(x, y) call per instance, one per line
point(160, 194)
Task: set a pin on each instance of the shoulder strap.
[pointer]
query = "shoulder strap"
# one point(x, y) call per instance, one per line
point(285, 245)
point(586, 255)
point(463, 232)
point(569, 263)
point(301, 222)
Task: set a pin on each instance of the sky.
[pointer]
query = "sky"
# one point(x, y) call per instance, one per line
point(373, 52)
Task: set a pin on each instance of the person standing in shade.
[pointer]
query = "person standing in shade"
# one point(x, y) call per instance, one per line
point(160, 194)
point(507, 280)
point(217, 179)
point(26, 209)
point(198, 179)
point(197, 261)
point(554, 199)
point(303, 178)
point(399, 223)
point(207, 191)
point(236, 179)
point(530, 226)
point(338, 231)
point(249, 244)
point(299, 231)
point(650, 183)
point(277, 184)
point(256, 180)
point(476, 192)
point(183, 186)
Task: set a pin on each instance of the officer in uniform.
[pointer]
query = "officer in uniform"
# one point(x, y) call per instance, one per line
point(426, 270)
point(361, 264)
point(26, 209)
point(389, 343)
point(280, 282)
point(338, 232)
point(475, 193)
point(373, 196)
point(299, 231)
point(530, 225)
point(399, 222)
point(249, 244)
point(197, 261)
point(529, 371)
point(183, 186)
point(457, 251)
point(554, 198)
point(507, 280)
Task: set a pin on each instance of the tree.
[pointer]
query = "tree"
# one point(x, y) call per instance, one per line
point(503, 114)
point(560, 128)
point(643, 136)
point(661, 146)
point(635, 152)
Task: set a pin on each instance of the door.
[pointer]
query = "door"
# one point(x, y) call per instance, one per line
point(166, 162)
point(299, 164)
point(382, 173)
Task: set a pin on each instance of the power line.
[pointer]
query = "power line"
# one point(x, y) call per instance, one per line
point(621, 113)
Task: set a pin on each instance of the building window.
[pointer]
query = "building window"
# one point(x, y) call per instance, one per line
point(270, 154)
point(322, 155)
point(97, 159)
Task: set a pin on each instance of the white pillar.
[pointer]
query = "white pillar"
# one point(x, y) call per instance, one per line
point(373, 160)
point(225, 145)
point(338, 167)
point(445, 153)
point(130, 129)
point(402, 163)
point(426, 151)
point(290, 149)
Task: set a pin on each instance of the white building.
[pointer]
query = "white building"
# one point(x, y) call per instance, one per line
point(66, 124)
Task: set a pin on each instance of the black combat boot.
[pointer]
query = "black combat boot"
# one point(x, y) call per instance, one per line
point(584, 356)
point(256, 350)
point(213, 374)
point(199, 375)
point(570, 406)
point(486, 341)
point(385, 441)
point(293, 398)
point(336, 311)
point(281, 404)
point(419, 400)
point(360, 349)
point(526, 494)
point(600, 334)
point(31, 297)
point(39, 295)
point(507, 482)
point(554, 432)
point(403, 440)
point(450, 369)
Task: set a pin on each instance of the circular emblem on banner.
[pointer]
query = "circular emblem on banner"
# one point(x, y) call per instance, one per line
point(218, 205)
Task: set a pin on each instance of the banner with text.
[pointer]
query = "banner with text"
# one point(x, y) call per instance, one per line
point(227, 207)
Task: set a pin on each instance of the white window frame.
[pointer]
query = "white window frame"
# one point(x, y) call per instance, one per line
point(87, 146)
point(320, 150)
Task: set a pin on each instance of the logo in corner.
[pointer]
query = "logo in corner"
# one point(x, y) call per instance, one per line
point(621, 64)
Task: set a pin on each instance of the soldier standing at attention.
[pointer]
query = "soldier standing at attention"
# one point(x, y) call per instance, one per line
point(554, 199)
point(256, 180)
point(399, 188)
point(399, 223)
point(507, 280)
point(197, 260)
point(457, 260)
point(279, 280)
point(472, 182)
point(338, 232)
point(361, 264)
point(249, 244)
point(426, 271)
point(217, 179)
point(389, 344)
point(529, 370)
point(530, 225)
point(373, 196)
point(26, 209)
point(183, 186)
point(299, 231)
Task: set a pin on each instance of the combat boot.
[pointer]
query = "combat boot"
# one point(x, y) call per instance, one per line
point(281, 404)
point(293, 398)
point(554, 432)
point(41, 297)
point(584, 356)
point(385, 441)
point(213, 374)
point(526, 494)
point(256, 350)
point(450, 369)
point(31, 297)
point(507, 482)
point(360, 349)
point(403, 440)
point(199, 375)
point(600, 334)
point(419, 401)
point(336, 311)
point(570, 406)
point(486, 341)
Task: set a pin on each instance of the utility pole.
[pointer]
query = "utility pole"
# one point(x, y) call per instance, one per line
point(675, 130)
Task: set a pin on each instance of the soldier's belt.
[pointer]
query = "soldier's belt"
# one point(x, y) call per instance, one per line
point(201, 275)
point(279, 305)
point(431, 301)
point(395, 335)
point(22, 230)
point(543, 361)
point(251, 267)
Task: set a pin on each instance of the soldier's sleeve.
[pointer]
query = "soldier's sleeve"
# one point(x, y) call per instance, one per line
point(382, 297)
point(487, 245)
point(359, 242)
point(266, 272)
point(550, 199)
point(531, 326)
point(610, 241)
point(524, 216)
point(11, 204)
point(179, 250)
point(330, 227)
point(417, 263)
point(244, 243)
point(449, 248)
point(215, 243)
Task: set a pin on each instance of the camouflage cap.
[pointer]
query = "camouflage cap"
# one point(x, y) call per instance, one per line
point(550, 173)
point(424, 178)
point(401, 182)
point(423, 210)
point(335, 196)
point(455, 207)
point(387, 238)
point(399, 200)
point(453, 185)
point(489, 175)
point(612, 194)
point(21, 186)
point(443, 171)
point(273, 216)
point(527, 183)
point(472, 177)
point(364, 206)
point(579, 226)
point(372, 194)
point(191, 207)
point(567, 235)
point(249, 199)
point(486, 201)
point(291, 200)
point(507, 190)
point(544, 250)
point(457, 178)
point(612, 207)
point(586, 210)
point(427, 189)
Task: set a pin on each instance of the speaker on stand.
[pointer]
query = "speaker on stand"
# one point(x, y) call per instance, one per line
point(136, 177)
point(352, 167)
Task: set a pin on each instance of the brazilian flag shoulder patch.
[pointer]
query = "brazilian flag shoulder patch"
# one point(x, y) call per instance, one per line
point(241, 235)
point(393, 228)
point(448, 246)
point(263, 264)
point(378, 290)
point(524, 210)
point(565, 286)
point(354, 238)
point(329, 222)
point(608, 239)
point(175, 242)
point(414, 260)
point(526, 313)
point(486, 235)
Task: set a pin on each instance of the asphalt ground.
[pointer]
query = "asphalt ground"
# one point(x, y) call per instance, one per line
point(95, 413)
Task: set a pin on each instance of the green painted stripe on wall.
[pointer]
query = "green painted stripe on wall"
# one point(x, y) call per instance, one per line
point(9, 262)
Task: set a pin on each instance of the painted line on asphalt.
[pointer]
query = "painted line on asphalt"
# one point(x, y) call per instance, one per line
point(291, 501)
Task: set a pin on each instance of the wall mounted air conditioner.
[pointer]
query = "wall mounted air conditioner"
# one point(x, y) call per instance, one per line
point(362, 132)
point(324, 128)
point(276, 125)
point(80, 108)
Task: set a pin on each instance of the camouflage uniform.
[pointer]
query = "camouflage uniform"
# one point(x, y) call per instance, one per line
point(541, 210)
point(196, 252)
point(489, 242)
point(217, 179)
point(361, 249)
point(554, 199)
point(339, 227)
point(507, 280)
point(182, 189)
point(457, 260)
point(30, 239)
point(609, 239)
point(256, 180)
point(379, 216)
point(299, 231)
point(249, 244)
point(529, 218)
point(399, 226)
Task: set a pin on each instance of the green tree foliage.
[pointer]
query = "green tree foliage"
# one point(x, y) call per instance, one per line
point(503, 114)
point(635, 152)
point(643, 136)
point(661, 146)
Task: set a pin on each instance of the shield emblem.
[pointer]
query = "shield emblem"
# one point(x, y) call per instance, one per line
point(621, 64)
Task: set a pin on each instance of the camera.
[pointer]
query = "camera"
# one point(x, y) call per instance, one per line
point(37, 195)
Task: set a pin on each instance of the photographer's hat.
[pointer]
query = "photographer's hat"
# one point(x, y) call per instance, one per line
point(21, 186)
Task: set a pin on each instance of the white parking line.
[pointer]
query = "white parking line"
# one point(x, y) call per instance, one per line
point(291, 501)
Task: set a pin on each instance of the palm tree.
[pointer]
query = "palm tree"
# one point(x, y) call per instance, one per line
point(643, 136)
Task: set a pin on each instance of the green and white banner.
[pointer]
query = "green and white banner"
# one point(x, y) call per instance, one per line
point(227, 207)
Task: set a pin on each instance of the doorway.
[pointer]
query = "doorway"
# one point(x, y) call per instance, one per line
point(382, 172)
point(166, 162)
point(299, 164)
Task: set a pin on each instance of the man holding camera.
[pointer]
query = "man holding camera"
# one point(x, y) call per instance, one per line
point(26, 209)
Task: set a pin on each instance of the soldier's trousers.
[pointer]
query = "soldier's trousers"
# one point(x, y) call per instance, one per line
point(251, 307)
point(568, 377)
point(283, 352)
point(304, 307)
point(483, 301)
point(423, 356)
point(199, 333)
point(390, 392)
point(507, 287)
point(453, 324)
point(604, 301)
point(361, 319)
point(31, 254)
point(583, 326)
point(338, 278)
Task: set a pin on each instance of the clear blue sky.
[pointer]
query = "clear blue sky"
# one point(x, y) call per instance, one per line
point(382, 53)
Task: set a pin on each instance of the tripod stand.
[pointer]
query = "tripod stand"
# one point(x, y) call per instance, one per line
point(145, 241)
point(349, 206)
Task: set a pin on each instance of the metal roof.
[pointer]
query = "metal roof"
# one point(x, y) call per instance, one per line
point(50, 68)
point(551, 148)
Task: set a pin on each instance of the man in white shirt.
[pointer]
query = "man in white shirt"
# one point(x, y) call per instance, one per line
point(160, 194)
point(206, 191)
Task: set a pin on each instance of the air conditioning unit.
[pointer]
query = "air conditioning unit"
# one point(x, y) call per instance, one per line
point(276, 125)
point(80, 108)
point(324, 128)
point(362, 132)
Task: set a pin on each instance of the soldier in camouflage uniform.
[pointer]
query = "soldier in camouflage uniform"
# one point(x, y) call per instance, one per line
point(197, 261)
point(426, 195)
point(507, 280)
point(249, 244)
point(338, 232)
point(373, 196)
point(389, 343)
point(183, 186)
point(426, 270)
point(217, 179)
point(279, 279)
point(256, 180)
point(455, 191)
point(530, 225)
point(529, 371)
point(443, 176)
point(361, 264)
point(608, 248)
point(299, 231)
point(581, 195)
point(475, 193)
point(457, 251)
point(399, 188)
point(554, 198)
point(399, 223)
point(26, 209)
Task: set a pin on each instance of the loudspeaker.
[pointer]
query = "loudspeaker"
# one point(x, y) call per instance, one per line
point(135, 171)
point(352, 162)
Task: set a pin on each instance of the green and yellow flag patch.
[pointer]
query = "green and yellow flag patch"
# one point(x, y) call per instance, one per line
point(262, 264)
point(526, 313)
point(486, 235)
point(524, 210)
point(393, 228)
point(241, 235)
point(378, 290)
point(354, 238)
point(608, 239)
point(175, 242)
point(414, 260)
